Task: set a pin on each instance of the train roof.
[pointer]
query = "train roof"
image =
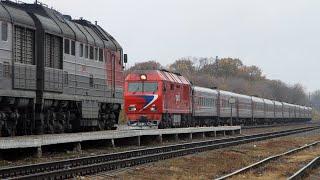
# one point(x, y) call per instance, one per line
point(56, 23)
point(268, 101)
point(12, 14)
point(158, 75)
point(257, 99)
point(243, 96)
point(228, 93)
point(206, 90)
point(277, 103)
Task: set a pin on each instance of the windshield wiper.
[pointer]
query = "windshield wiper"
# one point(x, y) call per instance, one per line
point(135, 91)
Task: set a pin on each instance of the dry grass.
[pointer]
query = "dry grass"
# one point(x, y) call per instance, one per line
point(122, 117)
point(215, 163)
point(283, 167)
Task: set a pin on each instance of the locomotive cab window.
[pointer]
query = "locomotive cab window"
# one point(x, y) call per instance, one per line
point(4, 31)
point(100, 55)
point(96, 53)
point(73, 48)
point(142, 87)
point(67, 46)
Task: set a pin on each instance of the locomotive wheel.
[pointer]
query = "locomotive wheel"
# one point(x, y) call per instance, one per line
point(101, 124)
point(50, 128)
point(1, 127)
point(111, 122)
point(58, 127)
point(160, 126)
point(50, 122)
point(9, 130)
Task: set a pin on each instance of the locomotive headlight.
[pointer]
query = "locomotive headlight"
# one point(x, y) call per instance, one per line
point(143, 77)
point(132, 108)
point(153, 108)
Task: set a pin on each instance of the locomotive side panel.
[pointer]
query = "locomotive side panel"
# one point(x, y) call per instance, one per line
point(177, 95)
point(6, 55)
point(119, 78)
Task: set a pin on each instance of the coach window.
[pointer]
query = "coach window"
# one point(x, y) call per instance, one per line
point(67, 46)
point(86, 51)
point(172, 87)
point(73, 48)
point(96, 53)
point(100, 55)
point(81, 50)
point(91, 53)
point(4, 30)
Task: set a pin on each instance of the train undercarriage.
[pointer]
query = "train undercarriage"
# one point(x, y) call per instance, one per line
point(169, 121)
point(21, 116)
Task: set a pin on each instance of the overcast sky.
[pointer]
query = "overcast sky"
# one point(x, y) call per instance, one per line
point(280, 36)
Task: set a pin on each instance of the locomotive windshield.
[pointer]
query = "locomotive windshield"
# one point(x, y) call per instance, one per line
point(142, 87)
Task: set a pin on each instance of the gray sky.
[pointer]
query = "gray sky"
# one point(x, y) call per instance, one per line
point(280, 36)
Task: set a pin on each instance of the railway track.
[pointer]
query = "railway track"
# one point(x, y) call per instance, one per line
point(279, 125)
point(99, 163)
point(263, 162)
point(307, 170)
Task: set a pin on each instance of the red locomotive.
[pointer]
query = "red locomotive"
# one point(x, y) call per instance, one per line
point(157, 98)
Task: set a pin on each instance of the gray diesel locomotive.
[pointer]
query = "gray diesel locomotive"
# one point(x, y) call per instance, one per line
point(57, 74)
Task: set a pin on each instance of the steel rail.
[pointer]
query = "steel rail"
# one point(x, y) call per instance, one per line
point(303, 172)
point(279, 125)
point(267, 160)
point(167, 152)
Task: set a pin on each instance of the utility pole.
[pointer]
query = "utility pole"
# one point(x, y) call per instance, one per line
point(232, 101)
point(310, 98)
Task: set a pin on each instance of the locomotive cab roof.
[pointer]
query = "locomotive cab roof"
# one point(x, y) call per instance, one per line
point(158, 75)
point(56, 23)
